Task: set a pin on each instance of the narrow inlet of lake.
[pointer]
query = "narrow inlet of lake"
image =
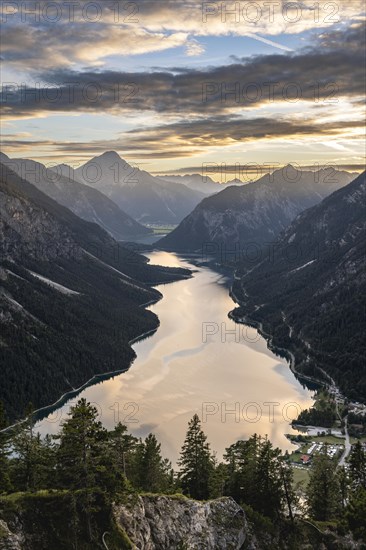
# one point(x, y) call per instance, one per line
point(198, 361)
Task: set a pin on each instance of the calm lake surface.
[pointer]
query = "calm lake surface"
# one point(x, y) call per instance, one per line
point(198, 361)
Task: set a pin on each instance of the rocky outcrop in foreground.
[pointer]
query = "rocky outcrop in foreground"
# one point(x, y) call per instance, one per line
point(174, 522)
point(147, 522)
point(8, 539)
point(56, 521)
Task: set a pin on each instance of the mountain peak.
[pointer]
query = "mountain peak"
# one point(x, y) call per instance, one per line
point(3, 157)
point(113, 155)
point(291, 167)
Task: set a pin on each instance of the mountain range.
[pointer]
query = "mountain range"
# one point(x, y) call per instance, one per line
point(71, 294)
point(110, 192)
point(85, 201)
point(70, 297)
point(257, 212)
point(309, 292)
point(197, 182)
point(146, 198)
point(202, 183)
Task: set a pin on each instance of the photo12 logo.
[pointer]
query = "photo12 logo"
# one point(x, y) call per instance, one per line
point(126, 413)
point(237, 173)
point(250, 411)
point(90, 173)
point(70, 12)
point(237, 92)
point(68, 93)
point(269, 12)
point(228, 332)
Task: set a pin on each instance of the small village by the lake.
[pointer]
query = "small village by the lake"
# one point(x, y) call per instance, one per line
point(345, 424)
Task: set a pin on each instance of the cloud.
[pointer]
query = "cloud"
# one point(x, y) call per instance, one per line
point(227, 130)
point(314, 93)
point(252, 168)
point(83, 149)
point(189, 138)
point(59, 36)
point(194, 48)
point(321, 75)
point(32, 47)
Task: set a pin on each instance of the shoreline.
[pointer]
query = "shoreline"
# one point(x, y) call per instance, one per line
point(287, 353)
point(96, 378)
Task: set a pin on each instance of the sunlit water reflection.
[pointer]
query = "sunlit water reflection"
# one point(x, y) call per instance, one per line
point(199, 361)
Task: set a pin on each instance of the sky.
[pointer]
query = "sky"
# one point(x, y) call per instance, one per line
point(176, 86)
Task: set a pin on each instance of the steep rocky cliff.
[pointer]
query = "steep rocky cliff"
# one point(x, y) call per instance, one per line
point(161, 522)
point(56, 521)
point(148, 522)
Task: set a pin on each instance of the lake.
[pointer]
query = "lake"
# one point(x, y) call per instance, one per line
point(198, 361)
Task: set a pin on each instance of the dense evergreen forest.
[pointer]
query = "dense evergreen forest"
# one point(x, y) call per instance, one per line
point(91, 468)
point(71, 298)
point(309, 290)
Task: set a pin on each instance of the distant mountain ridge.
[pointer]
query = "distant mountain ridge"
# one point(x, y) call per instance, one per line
point(197, 182)
point(146, 198)
point(253, 213)
point(85, 201)
point(310, 291)
point(203, 183)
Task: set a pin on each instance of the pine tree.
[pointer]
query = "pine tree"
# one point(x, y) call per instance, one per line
point(323, 492)
point(122, 445)
point(217, 480)
point(196, 463)
point(80, 457)
point(153, 473)
point(259, 476)
point(5, 484)
point(268, 479)
point(28, 450)
point(287, 479)
point(357, 465)
point(80, 447)
point(242, 458)
point(343, 482)
point(356, 513)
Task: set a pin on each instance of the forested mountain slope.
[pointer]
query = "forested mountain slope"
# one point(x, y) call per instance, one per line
point(70, 297)
point(254, 213)
point(310, 289)
point(85, 201)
